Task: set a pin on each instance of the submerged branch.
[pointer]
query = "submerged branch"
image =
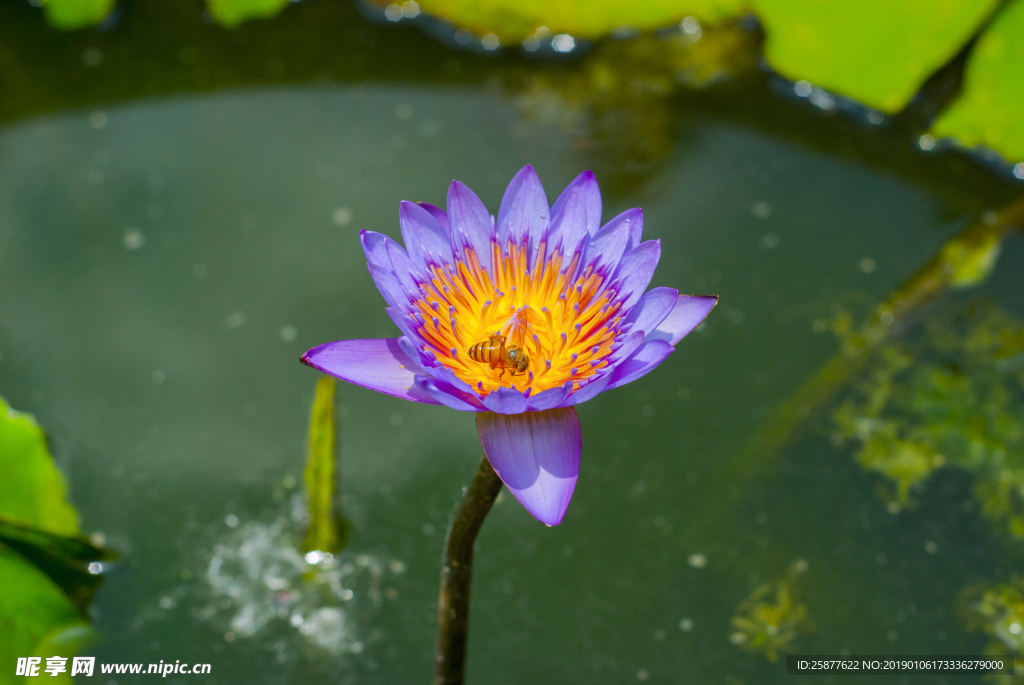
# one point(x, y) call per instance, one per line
point(457, 575)
point(964, 261)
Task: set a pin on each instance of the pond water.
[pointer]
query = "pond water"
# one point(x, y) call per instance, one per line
point(164, 263)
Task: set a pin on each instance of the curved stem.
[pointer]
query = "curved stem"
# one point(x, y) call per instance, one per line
point(457, 575)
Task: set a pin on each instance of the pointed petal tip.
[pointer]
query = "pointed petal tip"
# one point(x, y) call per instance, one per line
point(537, 456)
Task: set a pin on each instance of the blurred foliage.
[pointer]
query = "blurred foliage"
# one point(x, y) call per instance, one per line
point(45, 585)
point(618, 103)
point(998, 611)
point(328, 531)
point(955, 398)
point(65, 559)
point(231, 13)
point(33, 490)
point(69, 15)
point(772, 618)
point(514, 20)
point(36, 618)
point(874, 51)
point(988, 111)
point(971, 263)
point(877, 51)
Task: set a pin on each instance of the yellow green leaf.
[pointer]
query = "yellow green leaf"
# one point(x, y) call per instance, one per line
point(513, 20)
point(33, 490)
point(326, 530)
point(231, 13)
point(69, 15)
point(36, 618)
point(877, 51)
point(989, 109)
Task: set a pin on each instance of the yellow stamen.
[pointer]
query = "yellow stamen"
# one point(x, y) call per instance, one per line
point(572, 325)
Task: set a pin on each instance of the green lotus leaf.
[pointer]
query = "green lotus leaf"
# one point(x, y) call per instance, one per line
point(877, 51)
point(36, 618)
point(33, 490)
point(69, 15)
point(513, 20)
point(989, 110)
point(231, 13)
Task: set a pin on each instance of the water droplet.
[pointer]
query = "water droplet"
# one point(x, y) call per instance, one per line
point(342, 216)
point(490, 42)
point(133, 239)
point(563, 42)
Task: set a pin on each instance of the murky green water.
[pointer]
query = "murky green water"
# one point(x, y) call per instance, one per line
point(164, 263)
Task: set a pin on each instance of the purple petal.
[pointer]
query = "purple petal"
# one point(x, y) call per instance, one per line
point(524, 210)
point(627, 347)
point(587, 184)
point(569, 226)
point(470, 223)
point(537, 456)
point(404, 270)
point(605, 250)
point(506, 401)
point(378, 364)
point(448, 376)
point(407, 323)
point(440, 216)
point(375, 248)
point(635, 219)
point(426, 241)
point(443, 393)
point(424, 359)
point(647, 357)
point(389, 286)
point(652, 309)
point(591, 390)
point(549, 399)
point(688, 312)
point(636, 270)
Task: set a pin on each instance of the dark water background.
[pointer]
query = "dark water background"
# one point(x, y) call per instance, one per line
point(164, 261)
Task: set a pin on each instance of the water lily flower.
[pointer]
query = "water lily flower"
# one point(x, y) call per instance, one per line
point(518, 318)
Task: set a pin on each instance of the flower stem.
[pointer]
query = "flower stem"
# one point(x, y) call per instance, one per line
point(457, 575)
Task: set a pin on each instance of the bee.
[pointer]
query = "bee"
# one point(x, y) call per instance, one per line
point(498, 355)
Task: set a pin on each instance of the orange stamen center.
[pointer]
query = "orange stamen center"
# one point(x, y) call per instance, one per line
point(567, 328)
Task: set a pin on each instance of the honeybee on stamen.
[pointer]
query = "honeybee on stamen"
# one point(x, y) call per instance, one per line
point(494, 353)
point(513, 356)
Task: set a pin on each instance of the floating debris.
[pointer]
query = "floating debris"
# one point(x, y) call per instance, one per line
point(953, 398)
point(998, 610)
point(772, 618)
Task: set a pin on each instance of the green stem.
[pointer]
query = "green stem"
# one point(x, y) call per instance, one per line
point(457, 575)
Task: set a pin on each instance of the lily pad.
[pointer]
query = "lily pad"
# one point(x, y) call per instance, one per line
point(513, 20)
point(36, 618)
point(877, 51)
point(69, 15)
point(231, 13)
point(988, 111)
point(32, 491)
point(65, 559)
